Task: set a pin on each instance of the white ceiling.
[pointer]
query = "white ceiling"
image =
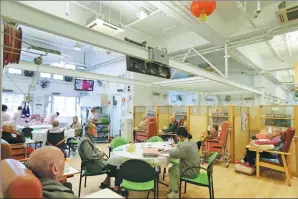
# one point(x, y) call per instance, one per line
point(169, 28)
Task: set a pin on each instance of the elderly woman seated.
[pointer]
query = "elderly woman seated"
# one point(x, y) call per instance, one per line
point(250, 156)
point(55, 128)
point(142, 126)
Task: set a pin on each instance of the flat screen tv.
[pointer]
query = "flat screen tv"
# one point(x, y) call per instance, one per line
point(84, 85)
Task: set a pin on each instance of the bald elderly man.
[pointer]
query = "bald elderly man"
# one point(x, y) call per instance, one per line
point(96, 162)
point(10, 134)
point(173, 126)
point(47, 163)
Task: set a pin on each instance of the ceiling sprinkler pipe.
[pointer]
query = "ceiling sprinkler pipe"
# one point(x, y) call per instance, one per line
point(258, 11)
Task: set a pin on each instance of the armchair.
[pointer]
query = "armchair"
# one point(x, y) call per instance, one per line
point(280, 163)
point(18, 181)
point(5, 151)
point(218, 145)
point(150, 130)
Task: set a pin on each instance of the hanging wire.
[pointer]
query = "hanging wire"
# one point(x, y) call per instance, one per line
point(22, 51)
point(30, 45)
point(14, 83)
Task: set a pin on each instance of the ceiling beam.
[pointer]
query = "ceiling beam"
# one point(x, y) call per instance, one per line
point(183, 18)
point(206, 30)
point(29, 16)
point(74, 73)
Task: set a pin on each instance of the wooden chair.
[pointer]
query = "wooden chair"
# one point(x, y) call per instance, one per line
point(281, 162)
point(19, 151)
point(6, 152)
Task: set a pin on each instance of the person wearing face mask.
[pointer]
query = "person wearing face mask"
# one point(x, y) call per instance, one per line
point(47, 163)
point(187, 153)
point(96, 162)
point(17, 116)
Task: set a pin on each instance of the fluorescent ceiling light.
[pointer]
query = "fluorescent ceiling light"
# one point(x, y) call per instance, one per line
point(77, 47)
point(142, 14)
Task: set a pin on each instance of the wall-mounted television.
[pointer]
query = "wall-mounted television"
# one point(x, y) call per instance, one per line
point(84, 85)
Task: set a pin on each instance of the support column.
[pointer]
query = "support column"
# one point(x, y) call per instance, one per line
point(226, 61)
point(1, 76)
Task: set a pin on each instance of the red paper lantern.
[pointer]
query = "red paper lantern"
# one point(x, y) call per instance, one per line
point(202, 8)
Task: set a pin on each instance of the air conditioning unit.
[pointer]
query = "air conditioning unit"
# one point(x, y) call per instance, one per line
point(159, 56)
point(287, 15)
point(95, 23)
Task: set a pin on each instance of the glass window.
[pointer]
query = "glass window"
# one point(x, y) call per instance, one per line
point(12, 101)
point(59, 77)
point(14, 71)
point(45, 75)
point(48, 104)
point(70, 66)
point(66, 106)
point(64, 65)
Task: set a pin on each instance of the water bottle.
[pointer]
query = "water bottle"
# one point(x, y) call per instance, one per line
point(131, 147)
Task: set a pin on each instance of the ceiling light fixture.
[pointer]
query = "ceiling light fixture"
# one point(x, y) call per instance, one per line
point(142, 14)
point(77, 47)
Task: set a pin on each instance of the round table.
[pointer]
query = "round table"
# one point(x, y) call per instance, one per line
point(121, 154)
point(34, 126)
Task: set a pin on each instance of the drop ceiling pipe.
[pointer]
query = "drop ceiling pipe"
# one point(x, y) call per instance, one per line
point(241, 8)
point(166, 29)
point(258, 9)
point(85, 7)
point(287, 42)
point(206, 60)
point(274, 51)
point(226, 60)
point(138, 20)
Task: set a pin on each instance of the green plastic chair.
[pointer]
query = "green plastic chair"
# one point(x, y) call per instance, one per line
point(138, 175)
point(205, 179)
point(85, 173)
point(155, 139)
point(116, 142)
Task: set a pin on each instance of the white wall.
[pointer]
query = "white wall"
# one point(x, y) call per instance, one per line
point(188, 99)
point(143, 96)
point(55, 86)
point(20, 84)
point(268, 87)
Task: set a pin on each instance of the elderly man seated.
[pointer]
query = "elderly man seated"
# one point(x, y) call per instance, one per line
point(47, 164)
point(11, 136)
point(173, 126)
point(89, 152)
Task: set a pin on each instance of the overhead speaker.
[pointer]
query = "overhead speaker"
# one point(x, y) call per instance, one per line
point(28, 73)
point(68, 78)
